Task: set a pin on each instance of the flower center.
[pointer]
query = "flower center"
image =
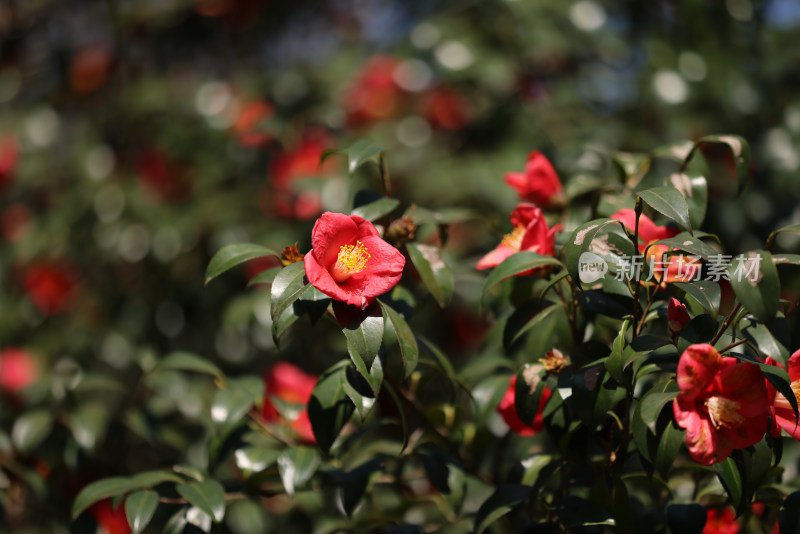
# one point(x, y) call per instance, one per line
point(514, 239)
point(351, 259)
point(783, 402)
point(724, 412)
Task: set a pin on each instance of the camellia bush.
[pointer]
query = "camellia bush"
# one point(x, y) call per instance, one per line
point(630, 376)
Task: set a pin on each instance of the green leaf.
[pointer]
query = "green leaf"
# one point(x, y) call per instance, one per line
point(355, 482)
point(377, 209)
point(705, 292)
point(208, 496)
point(526, 399)
point(575, 512)
point(88, 424)
point(670, 440)
point(329, 407)
point(580, 241)
point(264, 277)
point(99, 490)
point(148, 479)
point(731, 480)
point(432, 269)
point(516, 264)
point(669, 202)
point(186, 361)
point(501, 502)
point(233, 402)
point(363, 343)
point(759, 335)
point(694, 189)
point(409, 349)
point(792, 228)
point(139, 508)
point(233, 255)
point(652, 404)
point(754, 279)
point(614, 362)
point(361, 152)
point(688, 243)
point(634, 166)
point(296, 466)
point(31, 428)
point(255, 459)
point(288, 286)
point(739, 150)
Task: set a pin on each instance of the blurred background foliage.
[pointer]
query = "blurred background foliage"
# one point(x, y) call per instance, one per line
point(139, 137)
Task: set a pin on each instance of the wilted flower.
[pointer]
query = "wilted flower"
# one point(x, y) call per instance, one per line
point(508, 411)
point(780, 409)
point(291, 255)
point(538, 183)
point(530, 233)
point(289, 384)
point(722, 404)
point(349, 261)
point(677, 315)
point(554, 361)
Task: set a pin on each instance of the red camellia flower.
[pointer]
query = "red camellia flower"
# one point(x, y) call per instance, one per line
point(247, 125)
point(288, 383)
point(374, 96)
point(349, 261)
point(538, 183)
point(677, 315)
point(508, 410)
point(51, 286)
point(18, 369)
point(530, 233)
point(110, 521)
point(722, 404)
point(780, 409)
point(447, 109)
point(648, 230)
point(8, 158)
point(721, 521)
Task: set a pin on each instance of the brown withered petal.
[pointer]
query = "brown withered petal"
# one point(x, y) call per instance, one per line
point(291, 255)
point(554, 361)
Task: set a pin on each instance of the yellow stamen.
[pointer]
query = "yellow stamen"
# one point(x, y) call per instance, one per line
point(514, 239)
point(351, 259)
point(723, 412)
point(783, 402)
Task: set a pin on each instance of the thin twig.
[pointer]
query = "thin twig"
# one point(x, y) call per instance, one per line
point(726, 324)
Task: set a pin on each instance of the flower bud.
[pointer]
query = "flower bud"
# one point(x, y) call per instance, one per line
point(677, 315)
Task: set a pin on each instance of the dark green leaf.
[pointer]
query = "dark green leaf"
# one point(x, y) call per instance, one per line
point(580, 241)
point(409, 349)
point(575, 512)
point(705, 292)
point(329, 407)
point(501, 502)
point(528, 317)
point(355, 483)
point(255, 459)
point(233, 402)
point(731, 480)
point(99, 490)
point(755, 281)
point(432, 269)
point(792, 228)
point(527, 397)
point(669, 202)
point(186, 361)
point(516, 264)
point(634, 166)
point(789, 519)
point(652, 404)
point(363, 343)
point(233, 255)
point(686, 242)
point(208, 496)
point(759, 335)
point(670, 440)
point(148, 479)
point(694, 189)
point(377, 209)
point(686, 518)
point(287, 287)
point(31, 428)
point(139, 508)
point(739, 150)
point(614, 362)
point(296, 466)
point(361, 152)
point(88, 424)
point(264, 277)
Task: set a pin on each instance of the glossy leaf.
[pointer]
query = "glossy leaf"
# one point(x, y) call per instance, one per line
point(694, 189)
point(754, 279)
point(208, 496)
point(409, 349)
point(435, 273)
point(149, 479)
point(99, 490)
point(686, 242)
point(329, 407)
point(738, 149)
point(706, 293)
point(759, 335)
point(31, 428)
point(652, 404)
point(186, 361)
point(355, 482)
point(139, 508)
point(731, 480)
point(363, 343)
point(296, 466)
point(361, 152)
point(238, 397)
point(516, 264)
point(501, 502)
point(255, 459)
point(233, 255)
point(669, 202)
point(377, 209)
point(88, 424)
point(581, 239)
point(527, 318)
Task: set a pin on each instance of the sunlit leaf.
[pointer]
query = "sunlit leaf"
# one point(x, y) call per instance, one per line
point(233, 255)
point(433, 270)
point(208, 496)
point(669, 202)
point(139, 509)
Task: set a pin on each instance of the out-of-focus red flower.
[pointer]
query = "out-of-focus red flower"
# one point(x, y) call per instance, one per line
point(248, 124)
point(722, 404)
point(110, 521)
point(508, 411)
point(161, 179)
point(15, 222)
point(51, 286)
point(780, 409)
point(18, 369)
point(530, 233)
point(285, 194)
point(349, 261)
point(89, 69)
point(446, 108)
point(721, 521)
point(648, 230)
point(538, 183)
point(289, 384)
point(9, 152)
point(374, 95)
point(677, 315)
